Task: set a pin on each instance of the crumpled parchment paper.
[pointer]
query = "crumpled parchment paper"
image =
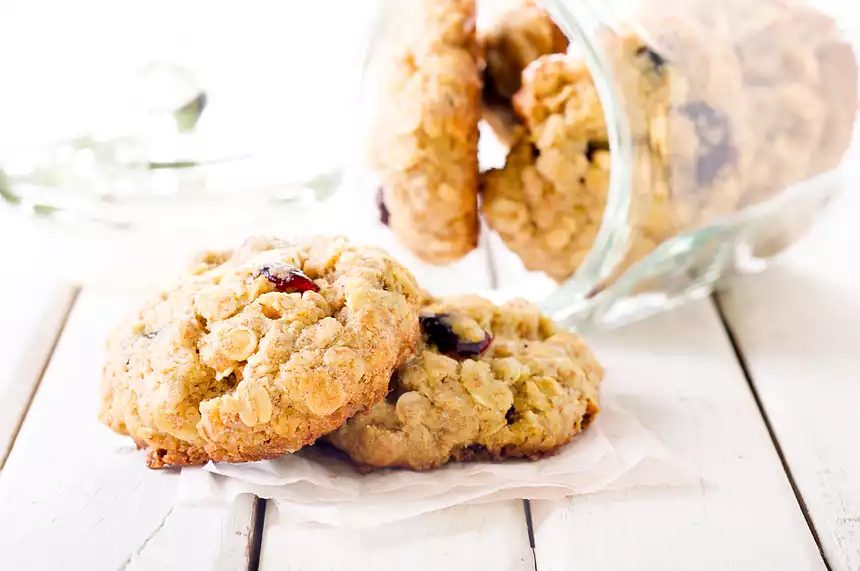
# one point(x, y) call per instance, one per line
point(319, 485)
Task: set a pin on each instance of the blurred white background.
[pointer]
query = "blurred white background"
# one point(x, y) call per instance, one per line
point(66, 64)
point(281, 75)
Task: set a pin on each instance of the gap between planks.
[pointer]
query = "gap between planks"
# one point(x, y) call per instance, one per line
point(26, 376)
point(493, 274)
point(785, 466)
point(796, 325)
point(686, 387)
point(255, 541)
point(88, 500)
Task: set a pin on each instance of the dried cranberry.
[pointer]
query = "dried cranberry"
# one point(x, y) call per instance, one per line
point(288, 279)
point(440, 333)
point(714, 132)
point(383, 210)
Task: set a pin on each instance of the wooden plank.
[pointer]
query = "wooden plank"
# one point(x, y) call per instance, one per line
point(75, 496)
point(796, 327)
point(487, 536)
point(678, 374)
point(220, 539)
point(33, 313)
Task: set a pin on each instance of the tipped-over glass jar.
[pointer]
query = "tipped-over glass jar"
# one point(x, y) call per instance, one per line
point(651, 147)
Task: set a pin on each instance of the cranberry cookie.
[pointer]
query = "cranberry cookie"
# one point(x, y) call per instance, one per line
point(259, 351)
point(487, 382)
point(424, 147)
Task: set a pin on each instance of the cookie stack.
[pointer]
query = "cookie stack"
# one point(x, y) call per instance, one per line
point(728, 103)
point(264, 349)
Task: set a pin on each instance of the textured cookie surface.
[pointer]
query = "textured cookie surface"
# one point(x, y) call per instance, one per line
point(424, 147)
point(259, 351)
point(717, 122)
point(487, 382)
point(800, 78)
point(548, 200)
point(518, 36)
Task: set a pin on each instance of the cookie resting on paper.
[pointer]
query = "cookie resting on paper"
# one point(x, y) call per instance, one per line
point(259, 351)
point(486, 383)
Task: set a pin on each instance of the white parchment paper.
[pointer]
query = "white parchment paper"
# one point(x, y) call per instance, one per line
point(615, 452)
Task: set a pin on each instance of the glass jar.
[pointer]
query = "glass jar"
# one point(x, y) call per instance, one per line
point(651, 148)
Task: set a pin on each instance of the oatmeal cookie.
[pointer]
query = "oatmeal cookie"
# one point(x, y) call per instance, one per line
point(259, 351)
point(424, 146)
point(800, 81)
point(685, 102)
point(487, 382)
point(547, 203)
point(519, 36)
point(516, 38)
point(548, 200)
point(765, 92)
point(717, 122)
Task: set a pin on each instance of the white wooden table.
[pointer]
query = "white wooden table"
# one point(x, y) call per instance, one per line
point(756, 389)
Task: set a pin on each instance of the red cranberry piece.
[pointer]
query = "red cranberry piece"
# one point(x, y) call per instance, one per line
point(383, 210)
point(440, 333)
point(288, 279)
